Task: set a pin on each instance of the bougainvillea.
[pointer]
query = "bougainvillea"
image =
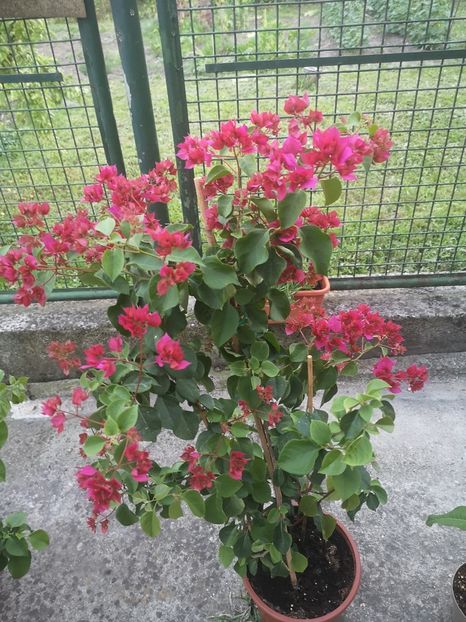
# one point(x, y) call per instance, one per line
point(260, 459)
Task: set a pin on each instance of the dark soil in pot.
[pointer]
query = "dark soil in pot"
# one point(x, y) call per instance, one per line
point(321, 588)
point(459, 587)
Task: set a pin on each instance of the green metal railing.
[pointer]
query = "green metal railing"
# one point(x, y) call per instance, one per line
point(399, 61)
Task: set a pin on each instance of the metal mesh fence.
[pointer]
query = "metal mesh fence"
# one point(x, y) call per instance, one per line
point(399, 61)
point(50, 143)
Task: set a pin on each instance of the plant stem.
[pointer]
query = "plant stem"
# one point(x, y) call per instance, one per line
point(270, 461)
point(310, 383)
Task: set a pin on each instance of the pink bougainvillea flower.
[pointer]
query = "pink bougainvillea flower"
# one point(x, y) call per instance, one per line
point(191, 456)
point(295, 104)
point(141, 460)
point(31, 215)
point(266, 121)
point(382, 143)
point(115, 344)
point(51, 408)
point(136, 320)
point(416, 377)
point(64, 354)
point(275, 415)
point(93, 194)
point(383, 370)
point(170, 352)
point(79, 396)
point(107, 173)
point(201, 479)
point(238, 462)
point(101, 491)
point(194, 151)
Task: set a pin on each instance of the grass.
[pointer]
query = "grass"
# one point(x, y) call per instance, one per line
point(406, 217)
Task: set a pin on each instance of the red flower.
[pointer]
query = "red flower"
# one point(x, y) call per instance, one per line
point(200, 479)
point(100, 491)
point(136, 320)
point(169, 352)
point(416, 377)
point(238, 463)
point(79, 396)
point(143, 463)
point(93, 194)
point(295, 104)
point(64, 353)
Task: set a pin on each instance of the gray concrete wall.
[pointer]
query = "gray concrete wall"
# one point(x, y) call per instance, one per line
point(433, 320)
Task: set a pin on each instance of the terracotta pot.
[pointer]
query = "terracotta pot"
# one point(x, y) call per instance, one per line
point(270, 615)
point(456, 614)
point(313, 298)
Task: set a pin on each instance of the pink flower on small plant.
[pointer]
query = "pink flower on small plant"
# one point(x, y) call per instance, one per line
point(238, 462)
point(170, 352)
point(136, 320)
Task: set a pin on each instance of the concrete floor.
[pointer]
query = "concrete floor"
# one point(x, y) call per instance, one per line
point(407, 567)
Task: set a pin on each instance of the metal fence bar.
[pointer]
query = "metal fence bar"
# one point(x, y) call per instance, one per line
point(95, 63)
point(174, 75)
point(133, 59)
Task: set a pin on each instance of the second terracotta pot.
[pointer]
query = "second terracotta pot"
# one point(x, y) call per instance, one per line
point(267, 614)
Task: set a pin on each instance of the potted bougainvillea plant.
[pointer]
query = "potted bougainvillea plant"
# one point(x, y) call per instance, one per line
point(258, 461)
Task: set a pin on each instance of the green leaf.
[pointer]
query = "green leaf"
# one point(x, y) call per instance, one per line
point(265, 206)
point(240, 430)
point(113, 261)
point(320, 433)
point(347, 484)
point(2, 471)
point(298, 457)
point(19, 566)
point(125, 516)
point(226, 485)
point(186, 254)
point(281, 538)
point(184, 424)
point(269, 369)
point(224, 324)
point(106, 226)
point(39, 539)
point(454, 518)
point(316, 246)
point(217, 274)
point(359, 452)
point(248, 164)
point(93, 445)
point(333, 463)
point(127, 418)
point(16, 546)
point(226, 555)
point(3, 433)
point(309, 506)
point(279, 305)
point(214, 511)
point(332, 189)
point(291, 207)
point(251, 250)
point(376, 385)
point(328, 526)
point(174, 510)
point(261, 350)
point(195, 502)
point(298, 352)
point(386, 424)
point(225, 205)
point(298, 561)
point(17, 519)
point(150, 524)
point(233, 506)
point(216, 172)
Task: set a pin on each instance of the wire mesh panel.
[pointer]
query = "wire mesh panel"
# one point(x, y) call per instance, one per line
point(50, 140)
point(398, 61)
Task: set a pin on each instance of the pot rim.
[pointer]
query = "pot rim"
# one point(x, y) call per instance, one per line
point(458, 611)
point(307, 293)
point(332, 615)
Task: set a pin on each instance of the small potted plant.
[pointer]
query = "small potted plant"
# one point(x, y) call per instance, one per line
point(257, 462)
point(455, 518)
point(16, 536)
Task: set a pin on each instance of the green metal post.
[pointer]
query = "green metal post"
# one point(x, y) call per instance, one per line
point(95, 63)
point(133, 58)
point(173, 63)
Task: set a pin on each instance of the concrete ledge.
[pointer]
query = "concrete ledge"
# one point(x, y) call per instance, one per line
point(433, 320)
